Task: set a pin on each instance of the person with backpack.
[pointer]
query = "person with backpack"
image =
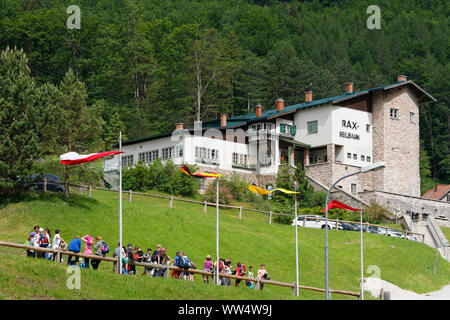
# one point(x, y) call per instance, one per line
point(176, 263)
point(101, 249)
point(89, 241)
point(185, 263)
point(147, 258)
point(132, 256)
point(43, 242)
point(164, 260)
point(74, 246)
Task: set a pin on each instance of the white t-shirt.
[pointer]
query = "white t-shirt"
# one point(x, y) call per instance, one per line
point(56, 241)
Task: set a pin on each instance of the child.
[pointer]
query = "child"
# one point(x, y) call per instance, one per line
point(30, 253)
point(250, 275)
point(83, 264)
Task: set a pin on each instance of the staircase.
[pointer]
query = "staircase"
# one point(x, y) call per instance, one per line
point(434, 237)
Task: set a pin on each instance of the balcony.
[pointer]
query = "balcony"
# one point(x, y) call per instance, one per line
point(260, 135)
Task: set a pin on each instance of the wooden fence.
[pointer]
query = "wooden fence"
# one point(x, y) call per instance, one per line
point(240, 208)
point(59, 253)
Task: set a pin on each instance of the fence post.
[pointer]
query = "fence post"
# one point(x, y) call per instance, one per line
point(406, 233)
point(205, 207)
point(270, 217)
point(367, 227)
point(90, 192)
point(117, 266)
point(382, 294)
point(240, 213)
point(257, 285)
point(171, 202)
point(294, 289)
point(45, 185)
point(129, 195)
point(387, 231)
point(336, 224)
point(58, 255)
point(166, 273)
point(304, 222)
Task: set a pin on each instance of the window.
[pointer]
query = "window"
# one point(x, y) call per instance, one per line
point(148, 156)
point(312, 127)
point(363, 158)
point(202, 153)
point(353, 188)
point(367, 127)
point(368, 158)
point(240, 159)
point(349, 155)
point(411, 117)
point(394, 113)
point(355, 156)
point(448, 197)
point(168, 153)
point(127, 161)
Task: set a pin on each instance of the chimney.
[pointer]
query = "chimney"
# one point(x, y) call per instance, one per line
point(223, 120)
point(279, 104)
point(179, 126)
point(349, 87)
point(258, 110)
point(401, 78)
point(308, 96)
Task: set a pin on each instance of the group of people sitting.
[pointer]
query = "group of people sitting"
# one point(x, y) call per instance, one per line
point(129, 255)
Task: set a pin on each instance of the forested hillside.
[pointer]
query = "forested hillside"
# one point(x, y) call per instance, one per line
point(158, 62)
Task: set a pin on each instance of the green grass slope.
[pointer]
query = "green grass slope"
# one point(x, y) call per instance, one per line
point(149, 221)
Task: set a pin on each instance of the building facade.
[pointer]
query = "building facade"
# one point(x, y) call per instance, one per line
point(328, 138)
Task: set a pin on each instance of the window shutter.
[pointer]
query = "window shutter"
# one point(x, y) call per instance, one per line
point(282, 127)
point(293, 130)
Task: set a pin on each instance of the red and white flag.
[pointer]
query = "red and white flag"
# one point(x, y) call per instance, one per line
point(71, 158)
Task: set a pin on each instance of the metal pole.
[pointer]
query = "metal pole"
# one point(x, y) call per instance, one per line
point(362, 260)
point(435, 259)
point(296, 243)
point(120, 202)
point(217, 231)
point(327, 291)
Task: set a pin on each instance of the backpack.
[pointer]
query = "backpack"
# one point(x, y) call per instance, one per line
point(155, 256)
point(43, 240)
point(105, 248)
point(135, 256)
point(243, 270)
point(185, 262)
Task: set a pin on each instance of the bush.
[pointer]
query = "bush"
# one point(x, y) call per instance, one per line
point(166, 178)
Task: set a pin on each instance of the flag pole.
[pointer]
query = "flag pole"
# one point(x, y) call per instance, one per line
point(120, 202)
point(296, 241)
point(362, 261)
point(217, 231)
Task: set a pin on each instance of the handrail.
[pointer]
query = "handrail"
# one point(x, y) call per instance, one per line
point(168, 267)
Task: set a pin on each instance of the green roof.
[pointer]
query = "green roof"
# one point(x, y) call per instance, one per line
point(241, 120)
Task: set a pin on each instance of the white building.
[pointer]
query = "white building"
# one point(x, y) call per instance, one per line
point(327, 137)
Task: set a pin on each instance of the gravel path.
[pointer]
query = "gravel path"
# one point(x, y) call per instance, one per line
point(374, 285)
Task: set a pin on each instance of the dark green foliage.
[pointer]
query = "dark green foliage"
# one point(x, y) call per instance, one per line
point(166, 178)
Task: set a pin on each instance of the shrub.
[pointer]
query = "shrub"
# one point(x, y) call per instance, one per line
point(166, 178)
point(225, 196)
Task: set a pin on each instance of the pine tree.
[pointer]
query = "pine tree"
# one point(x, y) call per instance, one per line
point(112, 131)
point(19, 117)
point(79, 126)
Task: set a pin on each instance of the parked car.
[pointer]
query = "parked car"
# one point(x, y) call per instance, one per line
point(36, 182)
point(395, 233)
point(377, 230)
point(349, 226)
point(412, 237)
point(311, 222)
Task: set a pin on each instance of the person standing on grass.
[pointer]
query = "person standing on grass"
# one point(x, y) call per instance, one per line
point(89, 241)
point(207, 266)
point(98, 251)
point(250, 275)
point(56, 243)
point(117, 253)
point(27, 243)
point(74, 246)
point(262, 274)
point(240, 273)
point(131, 258)
point(147, 259)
